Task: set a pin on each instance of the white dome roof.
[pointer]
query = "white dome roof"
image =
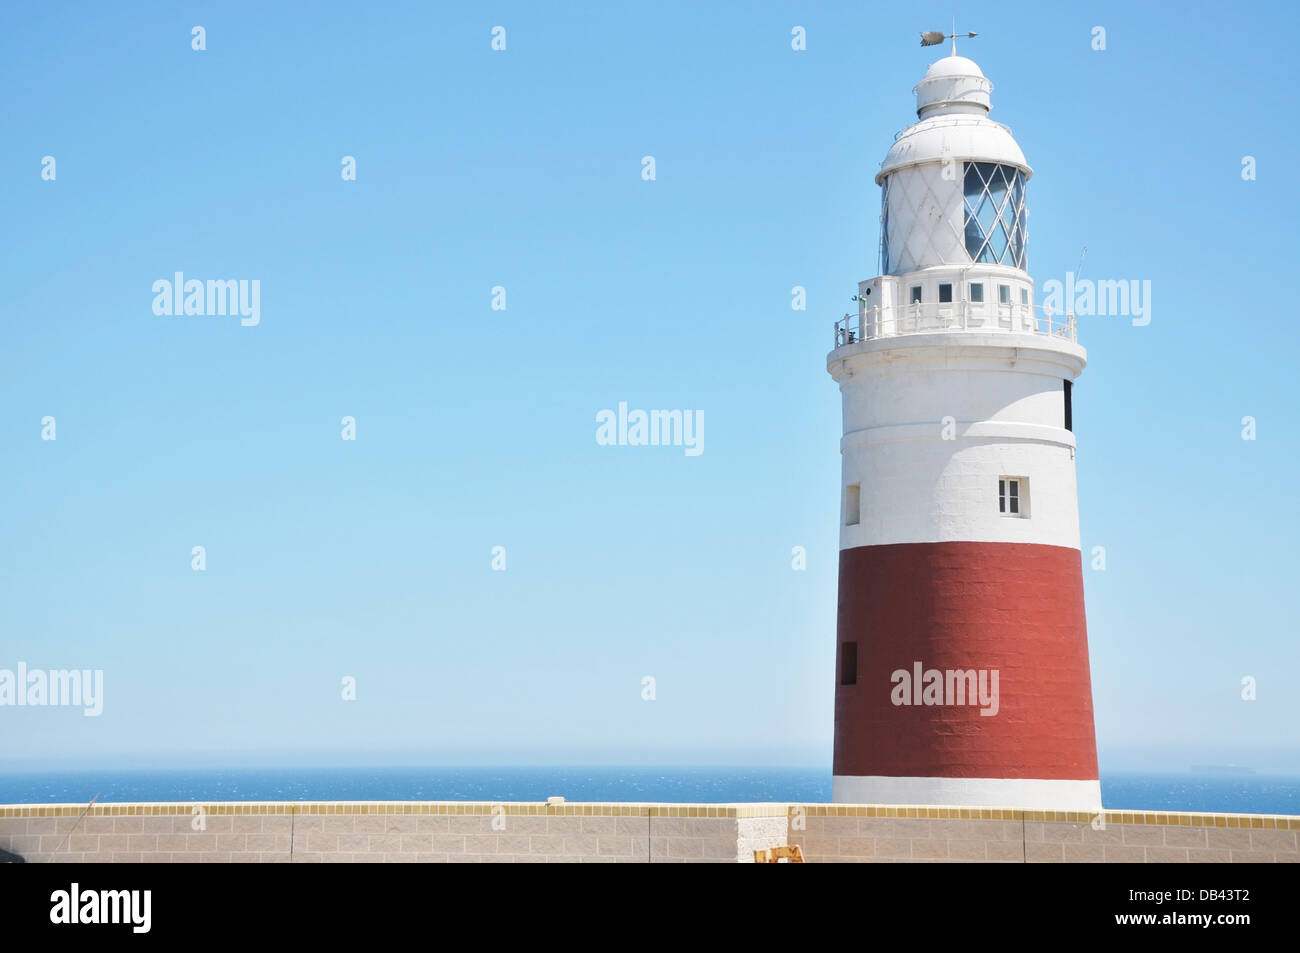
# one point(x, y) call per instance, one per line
point(953, 85)
point(953, 66)
point(952, 100)
point(957, 137)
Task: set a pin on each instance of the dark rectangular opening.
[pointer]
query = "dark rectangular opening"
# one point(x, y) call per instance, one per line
point(945, 294)
point(848, 663)
point(1069, 406)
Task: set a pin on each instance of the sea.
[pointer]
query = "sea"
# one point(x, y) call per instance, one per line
point(1188, 791)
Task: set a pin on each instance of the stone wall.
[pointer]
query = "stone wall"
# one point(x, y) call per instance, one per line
point(418, 832)
point(864, 834)
point(465, 832)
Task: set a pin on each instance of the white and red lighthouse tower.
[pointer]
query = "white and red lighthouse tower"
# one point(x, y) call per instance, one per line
point(962, 663)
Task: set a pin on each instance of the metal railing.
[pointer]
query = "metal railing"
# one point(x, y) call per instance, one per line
point(923, 317)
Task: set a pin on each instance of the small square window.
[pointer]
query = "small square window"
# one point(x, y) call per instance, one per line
point(945, 294)
point(1013, 496)
point(852, 504)
point(977, 292)
point(1024, 297)
point(915, 297)
point(1004, 294)
point(848, 663)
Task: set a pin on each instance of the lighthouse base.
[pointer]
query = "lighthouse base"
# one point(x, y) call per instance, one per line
point(1026, 793)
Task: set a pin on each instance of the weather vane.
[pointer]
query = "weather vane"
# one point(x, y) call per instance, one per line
point(935, 37)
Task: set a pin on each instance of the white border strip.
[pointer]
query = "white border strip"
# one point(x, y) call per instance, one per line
point(1025, 793)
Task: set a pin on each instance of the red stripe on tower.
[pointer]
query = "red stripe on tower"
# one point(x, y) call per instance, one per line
point(1006, 608)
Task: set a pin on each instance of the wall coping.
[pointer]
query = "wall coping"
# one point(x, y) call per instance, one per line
point(624, 809)
point(539, 808)
point(1162, 818)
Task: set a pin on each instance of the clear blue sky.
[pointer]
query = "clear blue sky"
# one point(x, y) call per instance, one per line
point(476, 428)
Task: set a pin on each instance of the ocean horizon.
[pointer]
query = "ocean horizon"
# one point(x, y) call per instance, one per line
point(1122, 790)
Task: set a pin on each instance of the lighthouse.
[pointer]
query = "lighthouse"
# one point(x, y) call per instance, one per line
point(961, 646)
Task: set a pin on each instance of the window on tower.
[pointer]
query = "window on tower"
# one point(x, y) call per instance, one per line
point(885, 264)
point(945, 294)
point(995, 214)
point(852, 503)
point(848, 663)
point(1004, 294)
point(915, 295)
point(977, 292)
point(1013, 496)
